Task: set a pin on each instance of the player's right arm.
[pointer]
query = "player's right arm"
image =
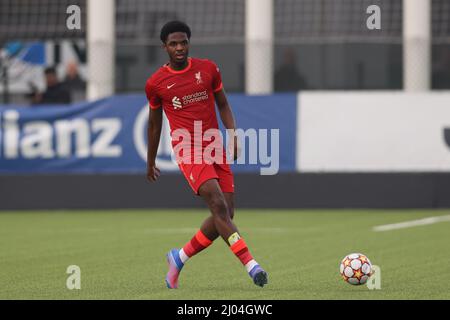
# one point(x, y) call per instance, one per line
point(153, 131)
point(153, 136)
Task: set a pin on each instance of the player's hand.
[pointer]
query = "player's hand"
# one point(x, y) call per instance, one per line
point(153, 173)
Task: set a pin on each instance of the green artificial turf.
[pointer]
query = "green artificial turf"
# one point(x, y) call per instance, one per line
point(121, 254)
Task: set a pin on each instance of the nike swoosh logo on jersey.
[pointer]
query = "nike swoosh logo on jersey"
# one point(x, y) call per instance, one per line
point(168, 87)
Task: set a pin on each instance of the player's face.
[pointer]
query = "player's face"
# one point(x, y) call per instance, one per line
point(177, 47)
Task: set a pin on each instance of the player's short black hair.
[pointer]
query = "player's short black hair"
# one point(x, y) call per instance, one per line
point(174, 26)
point(50, 70)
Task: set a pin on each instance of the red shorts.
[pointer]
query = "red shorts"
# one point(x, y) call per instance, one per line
point(197, 174)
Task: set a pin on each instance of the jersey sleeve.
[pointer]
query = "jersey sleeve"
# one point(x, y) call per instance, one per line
point(152, 96)
point(217, 84)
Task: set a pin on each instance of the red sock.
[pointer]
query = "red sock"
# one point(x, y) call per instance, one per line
point(197, 244)
point(240, 249)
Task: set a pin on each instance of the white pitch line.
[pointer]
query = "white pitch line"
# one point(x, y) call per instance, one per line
point(193, 230)
point(412, 223)
point(171, 230)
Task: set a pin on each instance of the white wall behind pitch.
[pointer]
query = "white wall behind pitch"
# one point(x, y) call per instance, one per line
point(372, 132)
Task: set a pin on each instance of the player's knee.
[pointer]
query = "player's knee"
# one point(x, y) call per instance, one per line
point(219, 207)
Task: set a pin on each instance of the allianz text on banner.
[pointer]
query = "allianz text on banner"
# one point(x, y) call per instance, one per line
point(110, 135)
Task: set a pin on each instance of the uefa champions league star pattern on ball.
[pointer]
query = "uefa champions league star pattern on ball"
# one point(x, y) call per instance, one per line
point(356, 268)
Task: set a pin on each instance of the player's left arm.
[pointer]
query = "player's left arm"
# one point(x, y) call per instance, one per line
point(227, 117)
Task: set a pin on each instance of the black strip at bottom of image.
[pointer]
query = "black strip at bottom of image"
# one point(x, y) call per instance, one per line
point(223, 309)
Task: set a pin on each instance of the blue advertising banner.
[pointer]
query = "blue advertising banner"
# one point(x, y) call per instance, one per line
point(109, 136)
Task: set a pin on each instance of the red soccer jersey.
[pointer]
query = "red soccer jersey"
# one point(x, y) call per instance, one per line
point(187, 95)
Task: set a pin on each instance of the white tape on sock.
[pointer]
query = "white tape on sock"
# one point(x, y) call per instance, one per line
point(183, 256)
point(249, 266)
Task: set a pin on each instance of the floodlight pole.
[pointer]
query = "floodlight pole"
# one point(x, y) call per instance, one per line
point(4, 76)
point(416, 45)
point(101, 48)
point(259, 26)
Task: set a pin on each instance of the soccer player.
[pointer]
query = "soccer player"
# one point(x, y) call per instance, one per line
point(187, 89)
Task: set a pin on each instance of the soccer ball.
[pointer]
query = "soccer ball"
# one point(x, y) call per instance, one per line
point(356, 268)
